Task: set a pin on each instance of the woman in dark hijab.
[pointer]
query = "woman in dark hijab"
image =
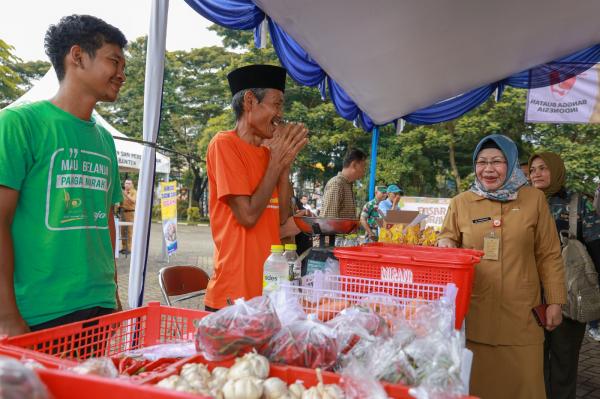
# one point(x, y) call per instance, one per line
point(502, 215)
point(562, 345)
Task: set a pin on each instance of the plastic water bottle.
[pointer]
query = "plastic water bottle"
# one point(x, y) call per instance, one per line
point(294, 266)
point(275, 270)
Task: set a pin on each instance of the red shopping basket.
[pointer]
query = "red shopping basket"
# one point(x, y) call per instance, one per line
point(106, 335)
point(414, 264)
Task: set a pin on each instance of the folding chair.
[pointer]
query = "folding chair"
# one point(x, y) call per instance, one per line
point(182, 280)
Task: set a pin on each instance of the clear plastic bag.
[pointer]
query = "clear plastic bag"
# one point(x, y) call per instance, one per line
point(437, 358)
point(304, 343)
point(101, 366)
point(355, 323)
point(173, 350)
point(19, 382)
point(237, 329)
point(359, 383)
point(286, 305)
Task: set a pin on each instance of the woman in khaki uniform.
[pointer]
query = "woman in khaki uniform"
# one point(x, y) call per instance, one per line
point(511, 222)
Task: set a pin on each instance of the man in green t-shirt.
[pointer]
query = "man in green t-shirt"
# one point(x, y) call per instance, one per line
point(58, 181)
point(369, 214)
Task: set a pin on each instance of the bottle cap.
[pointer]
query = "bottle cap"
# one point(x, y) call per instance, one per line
point(276, 248)
point(290, 247)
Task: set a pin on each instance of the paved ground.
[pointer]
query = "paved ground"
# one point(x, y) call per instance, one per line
point(195, 248)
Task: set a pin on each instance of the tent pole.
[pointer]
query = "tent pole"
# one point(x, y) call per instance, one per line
point(153, 86)
point(374, 143)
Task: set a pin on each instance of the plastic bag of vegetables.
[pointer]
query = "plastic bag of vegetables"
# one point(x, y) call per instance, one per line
point(353, 324)
point(437, 359)
point(19, 382)
point(358, 382)
point(237, 329)
point(304, 343)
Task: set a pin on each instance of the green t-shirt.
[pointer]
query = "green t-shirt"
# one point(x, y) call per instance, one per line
point(66, 172)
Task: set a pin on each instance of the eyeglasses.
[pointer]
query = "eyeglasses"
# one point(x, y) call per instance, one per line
point(495, 163)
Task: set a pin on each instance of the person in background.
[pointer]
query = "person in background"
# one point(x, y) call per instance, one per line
point(511, 222)
point(305, 205)
point(127, 212)
point(59, 181)
point(370, 215)
point(562, 345)
point(394, 194)
point(249, 188)
point(338, 197)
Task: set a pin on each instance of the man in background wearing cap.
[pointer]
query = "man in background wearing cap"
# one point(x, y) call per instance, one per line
point(338, 196)
point(394, 194)
point(369, 214)
point(247, 182)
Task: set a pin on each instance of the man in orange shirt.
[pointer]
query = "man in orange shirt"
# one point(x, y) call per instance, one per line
point(248, 181)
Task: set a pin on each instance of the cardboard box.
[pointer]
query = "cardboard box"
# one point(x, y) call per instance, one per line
point(406, 218)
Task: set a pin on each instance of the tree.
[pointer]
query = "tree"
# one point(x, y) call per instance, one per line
point(29, 72)
point(9, 79)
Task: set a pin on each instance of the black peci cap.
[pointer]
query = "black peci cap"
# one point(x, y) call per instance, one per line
point(257, 76)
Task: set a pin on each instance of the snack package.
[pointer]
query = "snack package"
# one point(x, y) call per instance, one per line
point(19, 382)
point(237, 329)
point(304, 343)
point(354, 323)
point(101, 366)
point(359, 383)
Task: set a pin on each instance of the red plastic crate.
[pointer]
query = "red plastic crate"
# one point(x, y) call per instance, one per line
point(414, 264)
point(64, 346)
point(107, 335)
point(65, 385)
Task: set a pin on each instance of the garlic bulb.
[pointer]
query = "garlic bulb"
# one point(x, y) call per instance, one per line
point(296, 390)
point(243, 388)
point(220, 373)
point(250, 365)
point(176, 383)
point(322, 391)
point(197, 376)
point(169, 382)
point(274, 388)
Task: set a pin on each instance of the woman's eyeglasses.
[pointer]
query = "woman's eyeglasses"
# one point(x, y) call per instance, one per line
point(495, 163)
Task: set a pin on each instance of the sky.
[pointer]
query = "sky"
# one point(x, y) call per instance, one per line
point(23, 23)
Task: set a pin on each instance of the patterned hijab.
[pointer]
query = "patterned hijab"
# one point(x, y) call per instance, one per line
point(515, 179)
point(558, 173)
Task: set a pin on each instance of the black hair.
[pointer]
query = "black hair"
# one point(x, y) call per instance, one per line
point(354, 155)
point(87, 31)
point(237, 102)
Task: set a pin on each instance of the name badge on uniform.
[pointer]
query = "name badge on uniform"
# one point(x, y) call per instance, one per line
point(491, 246)
point(481, 220)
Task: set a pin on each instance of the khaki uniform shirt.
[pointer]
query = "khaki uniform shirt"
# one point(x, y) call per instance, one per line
point(338, 201)
point(505, 291)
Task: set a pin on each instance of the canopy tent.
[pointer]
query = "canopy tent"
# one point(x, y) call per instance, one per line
point(129, 154)
point(379, 73)
point(389, 59)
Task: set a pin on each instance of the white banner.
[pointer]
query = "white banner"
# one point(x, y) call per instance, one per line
point(575, 100)
point(434, 208)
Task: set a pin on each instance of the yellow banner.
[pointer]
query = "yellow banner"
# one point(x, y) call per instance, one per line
point(168, 207)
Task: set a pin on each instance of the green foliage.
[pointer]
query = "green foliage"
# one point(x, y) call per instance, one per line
point(433, 160)
point(9, 79)
point(193, 214)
